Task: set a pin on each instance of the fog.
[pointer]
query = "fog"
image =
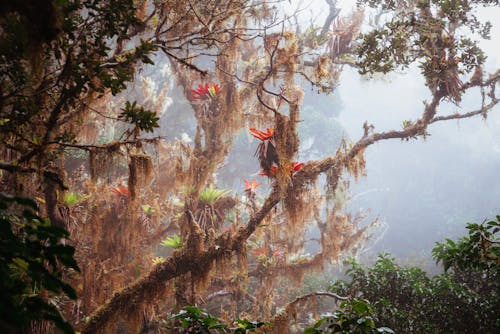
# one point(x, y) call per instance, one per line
point(422, 190)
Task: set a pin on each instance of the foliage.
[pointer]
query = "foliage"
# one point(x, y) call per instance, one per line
point(355, 316)
point(148, 209)
point(33, 261)
point(158, 260)
point(431, 34)
point(57, 93)
point(174, 242)
point(480, 251)
point(143, 119)
point(73, 198)
point(195, 320)
point(59, 70)
point(210, 195)
point(465, 299)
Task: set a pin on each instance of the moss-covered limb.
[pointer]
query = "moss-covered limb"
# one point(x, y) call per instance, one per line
point(150, 288)
point(414, 129)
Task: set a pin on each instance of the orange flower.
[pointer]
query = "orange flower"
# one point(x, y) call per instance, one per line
point(261, 134)
point(251, 186)
point(120, 190)
point(204, 92)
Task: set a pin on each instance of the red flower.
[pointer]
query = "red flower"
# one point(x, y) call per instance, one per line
point(120, 190)
point(204, 92)
point(259, 251)
point(297, 166)
point(261, 134)
point(251, 186)
point(271, 173)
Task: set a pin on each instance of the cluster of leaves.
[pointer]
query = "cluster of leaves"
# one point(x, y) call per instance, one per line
point(356, 316)
point(480, 251)
point(73, 198)
point(210, 195)
point(32, 263)
point(195, 320)
point(174, 242)
point(420, 35)
point(43, 78)
point(464, 299)
point(143, 119)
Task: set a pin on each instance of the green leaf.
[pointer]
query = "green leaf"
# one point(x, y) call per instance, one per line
point(174, 242)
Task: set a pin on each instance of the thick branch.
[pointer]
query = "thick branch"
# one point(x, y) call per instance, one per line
point(150, 287)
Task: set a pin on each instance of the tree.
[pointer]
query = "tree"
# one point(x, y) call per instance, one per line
point(462, 299)
point(241, 65)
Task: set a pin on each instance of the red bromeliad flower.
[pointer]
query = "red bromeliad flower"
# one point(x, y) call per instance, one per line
point(266, 151)
point(120, 190)
point(204, 92)
point(251, 186)
point(297, 166)
point(271, 173)
point(261, 134)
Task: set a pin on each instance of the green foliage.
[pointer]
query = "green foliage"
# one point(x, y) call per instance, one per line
point(55, 55)
point(245, 326)
point(195, 320)
point(72, 198)
point(32, 262)
point(174, 242)
point(148, 209)
point(143, 119)
point(211, 195)
point(356, 316)
point(479, 251)
point(465, 299)
point(426, 34)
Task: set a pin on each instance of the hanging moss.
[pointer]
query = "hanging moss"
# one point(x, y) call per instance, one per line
point(140, 171)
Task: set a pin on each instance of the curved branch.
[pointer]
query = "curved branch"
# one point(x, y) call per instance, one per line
point(149, 288)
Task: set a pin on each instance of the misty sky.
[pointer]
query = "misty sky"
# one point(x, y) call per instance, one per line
point(423, 191)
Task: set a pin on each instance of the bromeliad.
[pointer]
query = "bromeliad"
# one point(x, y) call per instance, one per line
point(266, 151)
point(293, 169)
point(251, 186)
point(271, 173)
point(205, 92)
point(297, 166)
point(120, 190)
point(250, 191)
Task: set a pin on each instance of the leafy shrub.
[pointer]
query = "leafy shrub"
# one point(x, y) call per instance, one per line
point(355, 316)
point(32, 262)
point(195, 320)
point(463, 299)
